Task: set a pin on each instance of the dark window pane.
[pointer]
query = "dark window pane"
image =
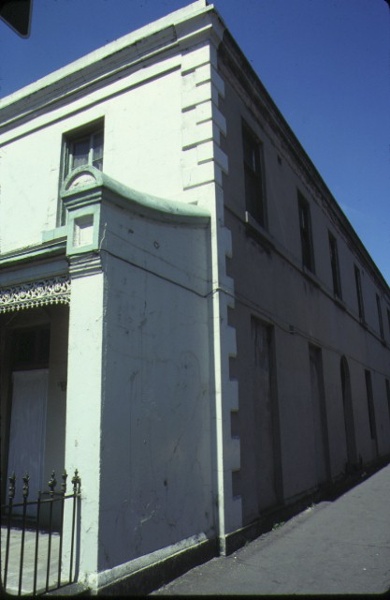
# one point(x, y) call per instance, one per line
point(254, 184)
point(80, 153)
point(306, 235)
point(359, 293)
point(334, 261)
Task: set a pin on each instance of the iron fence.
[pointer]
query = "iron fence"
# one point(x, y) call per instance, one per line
point(39, 553)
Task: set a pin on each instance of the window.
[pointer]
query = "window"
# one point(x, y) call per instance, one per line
point(254, 176)
point(266, 449)
point(387, 382)
point(334, 261)
point(371, 409)
point(318, 408)
point(349, 421)
point(359, 294)
point(306, 235)
point(388, 394)
point(388, 319)
point(380, 320)
point(86, 149)
point(82, 147)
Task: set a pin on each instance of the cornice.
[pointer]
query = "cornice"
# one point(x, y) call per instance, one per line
point(108, 64)
point(28, 254)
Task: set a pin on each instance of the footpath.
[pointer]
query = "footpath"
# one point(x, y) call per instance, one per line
point(340, 547)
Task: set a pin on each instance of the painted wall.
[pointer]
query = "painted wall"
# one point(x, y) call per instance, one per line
point(300, 309)
point(172, 152)
point(157, 413)
point(142, 149)
point(83, 408)
point(190, 371)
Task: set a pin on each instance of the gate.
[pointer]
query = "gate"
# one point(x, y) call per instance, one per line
point(39, 538)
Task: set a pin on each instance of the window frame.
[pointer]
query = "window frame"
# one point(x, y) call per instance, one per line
point(371, 409)
point(359, 293)
point(69, 139)
point(388, 318)
point(254, 175)
point(380, 317)
point(335, 265)
point(306, 233)
point(387, 385)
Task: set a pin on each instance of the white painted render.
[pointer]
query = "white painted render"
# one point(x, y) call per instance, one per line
point(195, 371)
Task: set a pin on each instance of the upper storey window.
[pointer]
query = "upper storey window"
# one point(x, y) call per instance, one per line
point(334, 262)
point(306, 233)
point(380, 319)
point(85, 149)
point(81, 147)
point(254, 176)
point(359, 293)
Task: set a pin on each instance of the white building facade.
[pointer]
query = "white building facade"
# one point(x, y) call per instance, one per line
point(186, 315)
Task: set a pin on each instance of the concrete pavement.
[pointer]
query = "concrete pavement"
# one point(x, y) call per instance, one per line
point(339, 547)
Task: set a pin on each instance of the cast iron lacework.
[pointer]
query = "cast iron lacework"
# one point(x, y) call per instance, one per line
point(35, 293)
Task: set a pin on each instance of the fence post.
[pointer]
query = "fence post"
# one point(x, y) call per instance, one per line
point(26, 489)
point(11, 496)
point(37, 543)
point(52, 484)
point(76, 482)
point(63, 492)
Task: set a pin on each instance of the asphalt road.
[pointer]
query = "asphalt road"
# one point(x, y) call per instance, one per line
point(339, 547)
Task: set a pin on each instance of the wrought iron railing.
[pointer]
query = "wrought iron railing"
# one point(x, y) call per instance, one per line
point(39, 538)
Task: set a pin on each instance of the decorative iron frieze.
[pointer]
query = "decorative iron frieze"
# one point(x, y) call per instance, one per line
point(35, 293)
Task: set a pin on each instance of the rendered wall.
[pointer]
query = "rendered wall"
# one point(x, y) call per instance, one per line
point(269, 284)
point(157, 412)
point(172, 152)
point(142, 149)
point(83, 407)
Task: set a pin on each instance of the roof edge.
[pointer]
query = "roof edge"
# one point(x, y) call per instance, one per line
point(172, 19)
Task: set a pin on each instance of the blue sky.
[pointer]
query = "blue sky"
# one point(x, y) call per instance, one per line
point(326, 64)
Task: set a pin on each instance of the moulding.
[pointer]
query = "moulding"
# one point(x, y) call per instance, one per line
point(35, 293)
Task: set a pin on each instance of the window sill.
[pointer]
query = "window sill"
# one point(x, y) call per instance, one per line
point(340, 303)
point(312, 277)
point(257, 231)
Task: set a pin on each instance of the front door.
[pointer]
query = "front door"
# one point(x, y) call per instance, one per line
point(28, 429)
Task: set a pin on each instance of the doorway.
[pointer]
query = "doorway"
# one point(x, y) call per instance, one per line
point(320, 429)
point(28, 429)
point(28, 376)
point(348, 413)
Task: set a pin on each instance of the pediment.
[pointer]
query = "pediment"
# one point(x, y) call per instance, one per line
point(82, 177)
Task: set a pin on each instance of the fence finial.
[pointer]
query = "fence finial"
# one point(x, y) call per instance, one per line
point(12, 485)
point(76, 481)
point(26, 485)
point(52, 483)
point(63, 484)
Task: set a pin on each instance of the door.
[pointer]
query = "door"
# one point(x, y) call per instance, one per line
point(266, 420)
point(320, 435)
point(348, 413)
point(28, 429)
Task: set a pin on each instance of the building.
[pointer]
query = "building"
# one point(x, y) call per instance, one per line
point(187, 316)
